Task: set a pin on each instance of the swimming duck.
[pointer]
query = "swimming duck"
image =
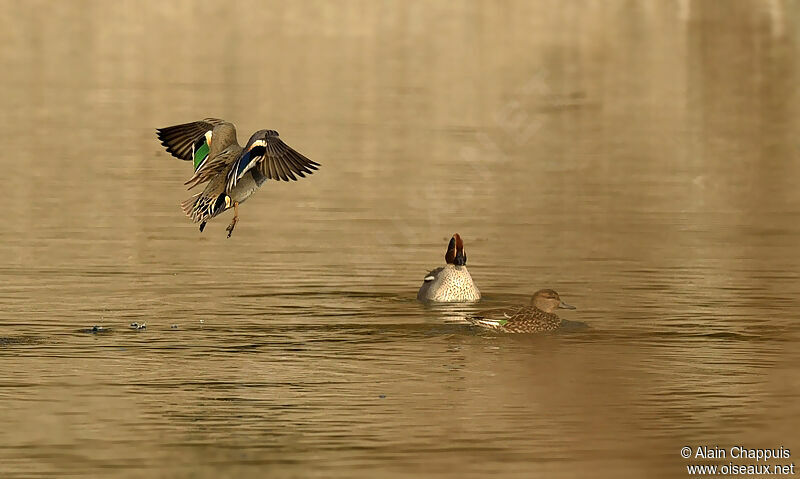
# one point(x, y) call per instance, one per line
point(538, 317)
point(452, 282)
point(233, 173)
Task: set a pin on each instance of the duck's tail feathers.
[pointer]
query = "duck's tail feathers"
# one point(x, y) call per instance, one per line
point(202, 207)
point(188, 204)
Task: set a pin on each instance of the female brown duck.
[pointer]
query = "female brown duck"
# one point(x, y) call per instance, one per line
point(538, 317)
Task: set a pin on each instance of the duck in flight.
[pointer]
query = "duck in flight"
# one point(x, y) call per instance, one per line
point(232, 173)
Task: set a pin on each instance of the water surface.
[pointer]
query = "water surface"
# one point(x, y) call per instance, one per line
point(638, 157)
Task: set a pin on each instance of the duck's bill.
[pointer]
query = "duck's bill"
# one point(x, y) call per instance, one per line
point(564, 305)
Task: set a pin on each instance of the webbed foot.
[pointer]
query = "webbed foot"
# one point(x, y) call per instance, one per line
point(234, 220)
point(230, 227)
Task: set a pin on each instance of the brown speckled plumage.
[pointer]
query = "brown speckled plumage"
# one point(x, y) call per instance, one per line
point(525, 319)
point(538, 317)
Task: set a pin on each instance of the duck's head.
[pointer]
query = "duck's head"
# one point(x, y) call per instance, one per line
point(455, 251)
point(548, 301)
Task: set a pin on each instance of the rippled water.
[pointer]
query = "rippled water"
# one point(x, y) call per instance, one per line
point(639, 157)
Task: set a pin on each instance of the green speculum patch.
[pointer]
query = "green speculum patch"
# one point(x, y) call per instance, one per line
point(200, 155)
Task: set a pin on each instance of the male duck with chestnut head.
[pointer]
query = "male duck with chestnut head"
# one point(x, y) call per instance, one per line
point(452, 282)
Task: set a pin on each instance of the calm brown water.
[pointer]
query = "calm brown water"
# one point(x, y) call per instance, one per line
point(639, 157)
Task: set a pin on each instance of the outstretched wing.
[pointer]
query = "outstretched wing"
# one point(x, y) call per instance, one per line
point(275, 159)
point(188, 141)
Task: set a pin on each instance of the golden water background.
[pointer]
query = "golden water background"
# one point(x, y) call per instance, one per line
point(640, 157)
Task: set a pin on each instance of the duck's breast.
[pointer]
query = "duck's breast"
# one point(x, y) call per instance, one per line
point(451, 284)
point(247, 185)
